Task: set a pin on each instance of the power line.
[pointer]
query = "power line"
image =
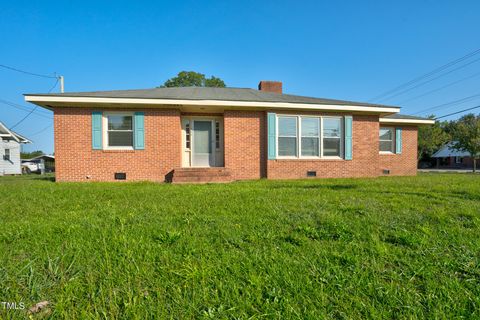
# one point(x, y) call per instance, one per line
point(451, 103)
point(426, 75)
point(38, 132)
point(27, 72)
point(56, 82)
point(36, 106)
point(21, 106)
point(428, 81)
point(26, 109)
point(441, 88)
point(451, 114)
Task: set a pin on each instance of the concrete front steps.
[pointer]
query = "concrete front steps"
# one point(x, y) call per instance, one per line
point(198, 175)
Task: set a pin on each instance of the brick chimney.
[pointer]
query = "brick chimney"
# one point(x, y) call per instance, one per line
point(270, 86)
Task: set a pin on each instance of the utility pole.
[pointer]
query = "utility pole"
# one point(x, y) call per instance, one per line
point(62, 84)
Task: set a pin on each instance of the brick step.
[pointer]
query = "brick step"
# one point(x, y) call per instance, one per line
point(199, 175)
point(196, 169)
point(201, 179)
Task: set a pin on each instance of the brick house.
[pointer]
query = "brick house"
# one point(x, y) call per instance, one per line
point(197, 134)
point(450, 158)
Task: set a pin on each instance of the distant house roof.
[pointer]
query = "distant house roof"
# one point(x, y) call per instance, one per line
point(43, 156)
point(6, 133)
point(448, 151)
point(209, 93)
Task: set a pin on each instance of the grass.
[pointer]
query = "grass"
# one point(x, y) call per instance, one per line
point(406, 247)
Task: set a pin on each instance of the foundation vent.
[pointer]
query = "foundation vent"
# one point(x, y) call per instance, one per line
point(311, 173)
point(120, 176)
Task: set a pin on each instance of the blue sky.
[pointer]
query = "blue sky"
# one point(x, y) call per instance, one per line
point(353, 50)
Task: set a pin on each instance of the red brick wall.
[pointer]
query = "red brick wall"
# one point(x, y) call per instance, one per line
point(245, 143)
point(404, 164)
point(76, 160)
point(364, 162)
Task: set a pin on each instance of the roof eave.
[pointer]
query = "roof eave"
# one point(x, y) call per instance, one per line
point(407, 121)
point(50, 101)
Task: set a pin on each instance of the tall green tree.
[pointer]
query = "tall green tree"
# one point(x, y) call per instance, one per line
point(193, 79)
point(431, 138)
point(466, 135)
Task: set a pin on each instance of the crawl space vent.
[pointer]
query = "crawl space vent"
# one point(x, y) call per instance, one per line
point(311, 173)
point(120, 176)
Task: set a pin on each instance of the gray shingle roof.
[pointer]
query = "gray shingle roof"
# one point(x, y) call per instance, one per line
point(206, 93)
point(404, 116)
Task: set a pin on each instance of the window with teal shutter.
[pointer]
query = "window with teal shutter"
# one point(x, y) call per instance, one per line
point(97, 130)
point(398, 140)
point(272, 133)
point(139, 128)
point(348, 137)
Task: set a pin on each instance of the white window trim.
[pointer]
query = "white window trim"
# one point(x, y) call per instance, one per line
point(299, 138)
point(393, 141)
point(105, 129)
point(9, 154)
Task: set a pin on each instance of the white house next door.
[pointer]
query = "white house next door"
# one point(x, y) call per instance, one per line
point(203, 143)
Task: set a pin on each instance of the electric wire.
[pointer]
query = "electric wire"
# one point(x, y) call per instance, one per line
point(457, 112)
point(426, 75)
point(36, 106)
point(27, 72)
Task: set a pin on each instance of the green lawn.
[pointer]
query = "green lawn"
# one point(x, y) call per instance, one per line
point(382, 248)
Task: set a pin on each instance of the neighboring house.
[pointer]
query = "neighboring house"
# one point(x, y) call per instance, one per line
point(449, 157)
point(37, 164)
point(197, 134)
point(10, 151)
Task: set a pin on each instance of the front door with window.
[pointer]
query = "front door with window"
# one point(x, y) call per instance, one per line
point(202, 146)
point(202, 141)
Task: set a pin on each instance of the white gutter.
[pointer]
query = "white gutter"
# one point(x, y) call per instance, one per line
point(224, 103)
point(407, 121)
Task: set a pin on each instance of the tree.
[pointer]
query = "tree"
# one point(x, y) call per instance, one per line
point(193, 79)
point(431, 138)
point(30, 155)
point(466, 135)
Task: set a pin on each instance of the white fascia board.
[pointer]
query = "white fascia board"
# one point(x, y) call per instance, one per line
point(225, 103)
point(9, 133)
point(407, 121)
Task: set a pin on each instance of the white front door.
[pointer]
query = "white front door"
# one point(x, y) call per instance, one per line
point(203, 143)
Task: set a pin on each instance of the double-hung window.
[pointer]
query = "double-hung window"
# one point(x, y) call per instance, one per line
point(332, 137)
point(287, 136)
point(309, 137)
point(6, 157)
point(119, 131)
point(387, 140)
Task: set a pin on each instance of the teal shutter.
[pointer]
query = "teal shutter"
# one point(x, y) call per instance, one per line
point(139, 128)
point(272, 136)
point(348, 137)
point(96, 130)
point(398, 140)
